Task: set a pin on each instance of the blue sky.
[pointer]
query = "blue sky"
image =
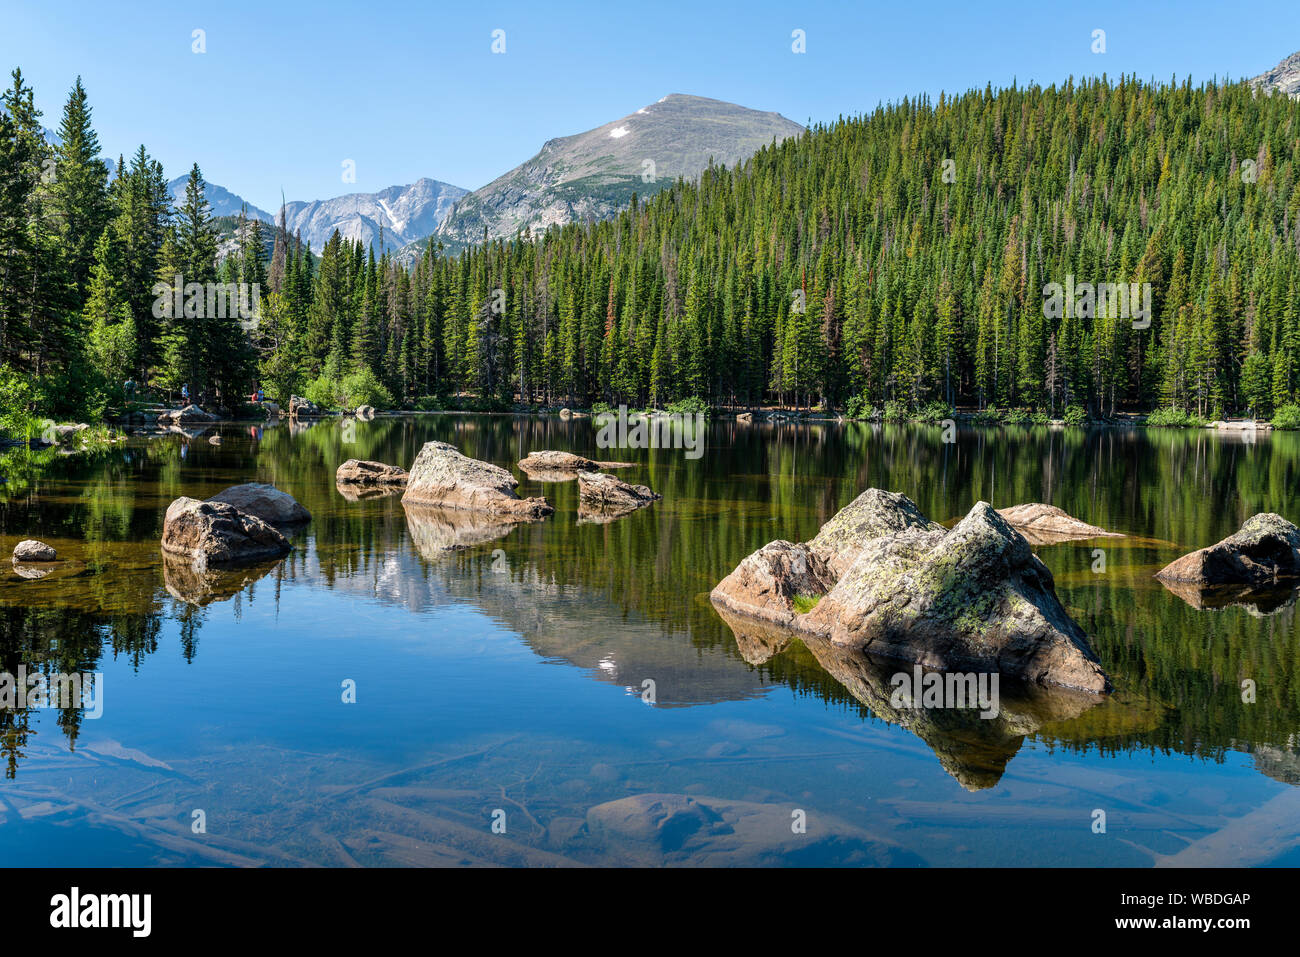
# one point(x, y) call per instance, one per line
point(289, 90)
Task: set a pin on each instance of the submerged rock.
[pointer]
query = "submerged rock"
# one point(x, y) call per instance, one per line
point(363, 472)
point(265, 502)
point(1046, 524)
point(31, 550)
point(706, 831)
point(600, 492)
point(218, 533)
point(549, 461)
point(882, 578)
point(442, 476)
point(1264, 550)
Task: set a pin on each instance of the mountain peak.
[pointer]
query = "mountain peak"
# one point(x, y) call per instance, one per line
point(1285, 77)
point(592, 175)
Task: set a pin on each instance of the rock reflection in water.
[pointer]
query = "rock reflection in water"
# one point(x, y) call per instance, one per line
point(1258, 602)
point(362, 493)
point(435, 531)
point(973, 749)
point(198, 585)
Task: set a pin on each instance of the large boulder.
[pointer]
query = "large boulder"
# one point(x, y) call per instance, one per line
point(883, 579)
point(266, 502)
point(302, 408)
point(973, 598)
point(217, 533)
point(767, 584)
point(30, 550)
point(601, 492)
point(367, 473)
point(1046, 524)
point(366, 412)
point(1264, 550)
point(873, 514)
point(66, 433)
point(442, 476)
point(189, 415)
point(549, 461)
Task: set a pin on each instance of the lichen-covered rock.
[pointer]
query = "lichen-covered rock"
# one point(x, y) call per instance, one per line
point(975, 597)
point(882, 578)
point(1046, 524)
point(363, 472)
point(871, 515)
point(1264, 550)
point(218, 533)
point(604, 493)
point(549, 461)
point(765, 584)
point(266, 502)
point(30, 550)
point(442, 476)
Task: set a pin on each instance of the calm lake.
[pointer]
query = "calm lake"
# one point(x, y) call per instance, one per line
point(553, 693)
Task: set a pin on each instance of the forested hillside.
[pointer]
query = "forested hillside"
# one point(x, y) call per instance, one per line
point(895, 256)
point(915, 289)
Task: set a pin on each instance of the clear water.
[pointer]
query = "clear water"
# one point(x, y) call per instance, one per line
point(503, 681)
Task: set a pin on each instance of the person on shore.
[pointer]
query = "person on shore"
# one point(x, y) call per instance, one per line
point(185, 393)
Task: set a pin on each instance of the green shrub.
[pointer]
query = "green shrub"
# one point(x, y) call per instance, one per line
point(353, 390)
point(859, 407)
point(895, 411)
point(692, 406)
point(21, 396)
point(935, 412)
point(1075, 415)
point(429, 403)
point(988, 416)
point(601, 408)
point(364, 388)
point(1287, 417)
point(1174, 419)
